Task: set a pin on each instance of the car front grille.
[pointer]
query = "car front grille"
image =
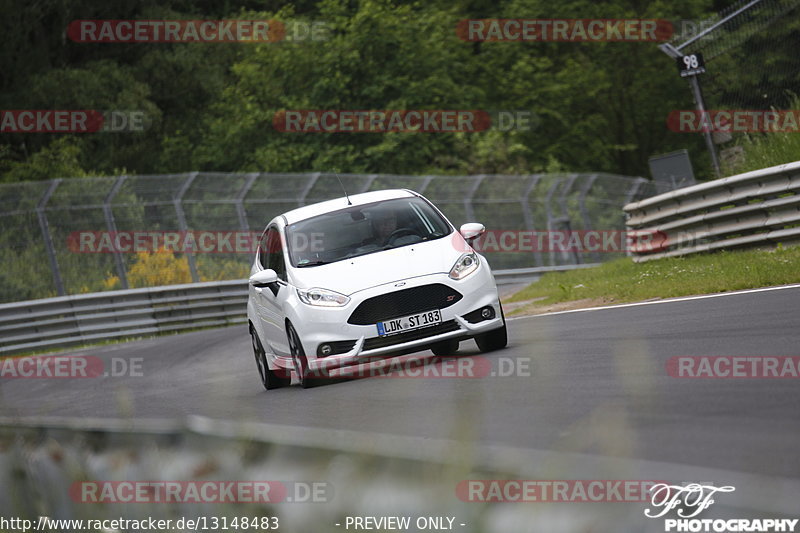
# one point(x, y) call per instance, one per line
point(408, 336)
point(404, 302)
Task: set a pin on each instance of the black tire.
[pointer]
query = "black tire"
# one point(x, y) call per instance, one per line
point(270, 379)
point(307, 379)
point(495, 339)
point(445, 348)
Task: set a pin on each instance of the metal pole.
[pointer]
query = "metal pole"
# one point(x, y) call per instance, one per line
point(527, 214)
point(182, 222)
point(675, 53)
point(701, 107)
point(312, 180)
point(587, 221)
point(368, 184)
point(112, 228)
point(48, 238)
point(565, 215)
point(240, 210)
point(469, 211)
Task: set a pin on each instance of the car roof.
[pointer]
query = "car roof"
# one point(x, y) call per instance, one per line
point(328, 206)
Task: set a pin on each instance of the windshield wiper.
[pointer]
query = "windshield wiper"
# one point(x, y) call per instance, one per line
point(313, 263)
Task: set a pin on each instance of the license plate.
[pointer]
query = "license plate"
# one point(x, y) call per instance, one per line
point(406, 323)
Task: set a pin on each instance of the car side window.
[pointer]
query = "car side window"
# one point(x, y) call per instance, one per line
point(274, 253)
point(263, 255)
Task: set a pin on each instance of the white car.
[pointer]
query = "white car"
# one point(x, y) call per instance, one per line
point(380, 273)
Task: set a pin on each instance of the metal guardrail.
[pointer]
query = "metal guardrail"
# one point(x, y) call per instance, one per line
point(64, 321)
point(86, 318)
point(755, 209)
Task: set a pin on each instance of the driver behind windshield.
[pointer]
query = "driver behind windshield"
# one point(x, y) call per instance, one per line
point(384, 223)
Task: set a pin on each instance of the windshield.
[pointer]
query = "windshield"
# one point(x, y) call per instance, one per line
point(362, 230)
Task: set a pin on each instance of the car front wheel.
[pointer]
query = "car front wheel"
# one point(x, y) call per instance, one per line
point(270, 379)
point(495, 339)
point(307, 378)
point(445, 348)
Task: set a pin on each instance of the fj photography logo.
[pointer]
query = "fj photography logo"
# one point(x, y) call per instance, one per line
point(689, 500)
point(565, 30)
point(73, 121)
point(69, 367)
point(206, 491)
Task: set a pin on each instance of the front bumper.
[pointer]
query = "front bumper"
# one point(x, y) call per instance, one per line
point(326, 325)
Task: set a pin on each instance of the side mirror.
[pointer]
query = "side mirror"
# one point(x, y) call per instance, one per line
point(471, 231)
point(262, 279)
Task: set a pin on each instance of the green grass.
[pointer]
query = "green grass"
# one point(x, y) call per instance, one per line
point(625, 281)
point(764, 150)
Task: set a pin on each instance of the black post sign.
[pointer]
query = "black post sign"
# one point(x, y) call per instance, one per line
point(691, 65)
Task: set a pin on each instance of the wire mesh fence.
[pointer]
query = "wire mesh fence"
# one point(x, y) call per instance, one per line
point(750, 52)
point(53, 231)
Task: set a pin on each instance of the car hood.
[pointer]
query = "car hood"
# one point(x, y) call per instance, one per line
point(359, 273)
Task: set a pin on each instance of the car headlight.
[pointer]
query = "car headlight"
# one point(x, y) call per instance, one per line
point(466, 265)
point(322, 297)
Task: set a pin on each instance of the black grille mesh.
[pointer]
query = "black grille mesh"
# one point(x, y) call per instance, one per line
point(404, 302)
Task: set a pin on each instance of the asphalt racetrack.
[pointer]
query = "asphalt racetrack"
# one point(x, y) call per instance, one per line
point(591, 382)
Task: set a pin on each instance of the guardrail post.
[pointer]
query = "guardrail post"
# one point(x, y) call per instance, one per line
point(634, 190)
point(112, 229)
point(182, 221)
point(48, 238)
